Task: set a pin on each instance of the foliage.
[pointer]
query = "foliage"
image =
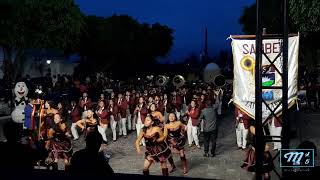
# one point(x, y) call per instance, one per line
point(38, 24)
point(120, 39)
point(305, 15)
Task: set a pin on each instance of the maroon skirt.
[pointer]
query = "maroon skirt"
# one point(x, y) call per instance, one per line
point(177, 142)
point(250, 161)
point(60, 148)
point(159, 152)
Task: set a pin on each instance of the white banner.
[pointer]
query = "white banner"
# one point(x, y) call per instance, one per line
point(244, 75)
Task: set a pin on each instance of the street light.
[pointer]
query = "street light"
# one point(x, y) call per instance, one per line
point(48, 61)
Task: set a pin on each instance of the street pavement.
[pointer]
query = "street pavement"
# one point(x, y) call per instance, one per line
point(226, 163)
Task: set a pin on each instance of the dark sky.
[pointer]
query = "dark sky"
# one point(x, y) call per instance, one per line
point(188, 18)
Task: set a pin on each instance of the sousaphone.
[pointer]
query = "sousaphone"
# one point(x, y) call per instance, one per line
point(178, 81)
point(219, 80)
point(162, 80)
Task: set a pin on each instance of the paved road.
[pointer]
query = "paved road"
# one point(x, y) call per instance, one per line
point(226, 165)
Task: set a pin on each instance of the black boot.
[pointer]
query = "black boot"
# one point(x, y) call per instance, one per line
point(173, 166)
point(54, 166)
point(184, 164)
point(146, 172)
point(165, 172)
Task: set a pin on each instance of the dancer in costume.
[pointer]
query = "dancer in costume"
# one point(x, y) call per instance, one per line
point(250, 159)
point(47, 122)
point(157, 149)
point(59, 144)
point(157, 115)
point(89, 124)
point(175, 134)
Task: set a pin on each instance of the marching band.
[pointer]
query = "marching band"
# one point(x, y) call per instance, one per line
point(164, 121)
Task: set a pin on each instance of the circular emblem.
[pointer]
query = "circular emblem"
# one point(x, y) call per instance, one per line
point(247, 63)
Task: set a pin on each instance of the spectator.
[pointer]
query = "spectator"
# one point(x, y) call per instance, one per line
point(90, 160)
point(210, 129)
point(16, 157)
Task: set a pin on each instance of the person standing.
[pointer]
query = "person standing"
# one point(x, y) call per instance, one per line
point(102, 114)
point(193, 123)
point(140, 114)
point(112, 114)
point(275, 129)
point(85, 102)
point(166, 107)
point(75, 115)
point(242, 126)
point(176, 103)
point(130, 100)
point(123, 107)
point(218, 94)
point(210, 128)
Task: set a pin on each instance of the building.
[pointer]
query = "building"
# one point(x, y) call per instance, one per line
point(39, 62)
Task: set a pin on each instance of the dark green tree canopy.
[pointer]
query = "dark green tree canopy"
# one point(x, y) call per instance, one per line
point(304, 17)
point(40, 23)
point(120, 40)
point(37, 24)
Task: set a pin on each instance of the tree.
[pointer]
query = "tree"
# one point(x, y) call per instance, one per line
point(305, 14)
point(120, 43)
point(304, 17)
point(37, 24)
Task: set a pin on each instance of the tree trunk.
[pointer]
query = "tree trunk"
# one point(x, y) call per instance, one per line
point(18, 64)
point(7, 63)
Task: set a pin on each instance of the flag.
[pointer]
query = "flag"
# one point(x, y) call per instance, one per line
point(244, 74)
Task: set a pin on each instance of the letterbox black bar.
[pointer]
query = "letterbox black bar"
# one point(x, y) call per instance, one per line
point(259, 141)
point(285, 120)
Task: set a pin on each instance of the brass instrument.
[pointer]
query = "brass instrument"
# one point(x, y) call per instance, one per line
point(178, 81)
point(219, 80)
point(162, 80)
